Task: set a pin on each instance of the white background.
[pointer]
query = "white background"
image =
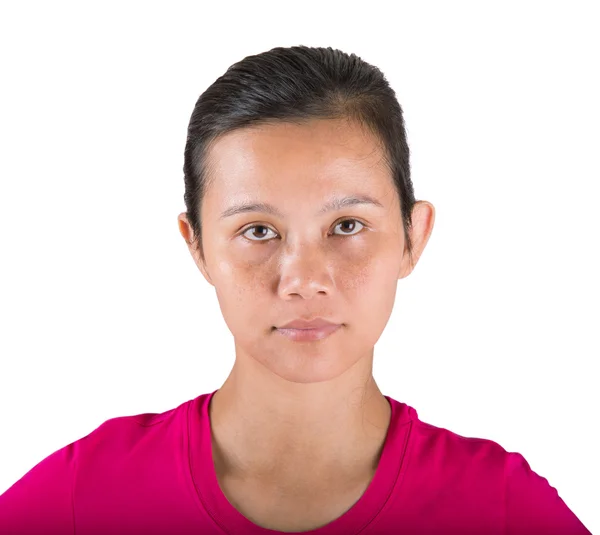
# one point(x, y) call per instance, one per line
point(103, 312)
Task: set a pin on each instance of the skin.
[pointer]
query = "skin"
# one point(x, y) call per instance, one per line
point(302, 419)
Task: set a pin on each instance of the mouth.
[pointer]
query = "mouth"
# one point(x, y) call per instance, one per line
point(304, 335)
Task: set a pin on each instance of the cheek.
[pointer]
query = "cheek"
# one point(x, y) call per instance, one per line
point(366, 271)
point(235, 284)
point(370, 282)
point(234, 272)
point(242, 289)
point(355, 273)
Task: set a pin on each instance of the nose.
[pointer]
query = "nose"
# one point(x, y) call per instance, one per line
point(305, 271)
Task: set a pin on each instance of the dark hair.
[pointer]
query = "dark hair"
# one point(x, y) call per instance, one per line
point(294, 85)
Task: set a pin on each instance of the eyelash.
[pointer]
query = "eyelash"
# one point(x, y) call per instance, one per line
point(339, 222)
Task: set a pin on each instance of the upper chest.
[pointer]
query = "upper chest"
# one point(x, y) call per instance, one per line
point(293, 506)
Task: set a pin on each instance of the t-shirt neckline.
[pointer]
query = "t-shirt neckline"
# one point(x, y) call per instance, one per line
point(231, 521)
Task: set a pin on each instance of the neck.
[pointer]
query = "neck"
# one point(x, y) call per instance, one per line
point(277, 429)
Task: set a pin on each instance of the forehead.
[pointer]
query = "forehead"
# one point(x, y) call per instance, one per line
point(328, 153)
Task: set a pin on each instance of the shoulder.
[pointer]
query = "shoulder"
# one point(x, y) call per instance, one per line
point(481, 469)
point(48, 487)
point(115, 437)
point(436, 444)
point(119, 435)
point(533, 505)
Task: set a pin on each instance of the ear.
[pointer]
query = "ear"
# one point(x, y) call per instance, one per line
point(423, 218)
point(186, 231)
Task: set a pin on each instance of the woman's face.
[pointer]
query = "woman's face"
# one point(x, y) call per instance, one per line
point(271, 267)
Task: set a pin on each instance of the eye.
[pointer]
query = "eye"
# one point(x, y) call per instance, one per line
point(260, 227)
point(353, 223)
point(264, 228)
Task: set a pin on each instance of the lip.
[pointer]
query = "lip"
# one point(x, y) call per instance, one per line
point(315, 323)
point(302, 335)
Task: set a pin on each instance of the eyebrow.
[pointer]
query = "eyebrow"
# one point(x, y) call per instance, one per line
point(334, 204)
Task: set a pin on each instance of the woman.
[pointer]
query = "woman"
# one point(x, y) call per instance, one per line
point(301, 214)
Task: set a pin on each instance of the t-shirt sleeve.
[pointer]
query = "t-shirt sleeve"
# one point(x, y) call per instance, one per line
point(41, 501)
point(533, 506)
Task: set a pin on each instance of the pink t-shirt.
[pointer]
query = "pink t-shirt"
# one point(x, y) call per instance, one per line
point(153, 474)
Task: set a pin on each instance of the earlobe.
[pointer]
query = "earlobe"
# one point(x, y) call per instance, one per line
point(184, 227)
point(423, 218)
point(185, 230)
